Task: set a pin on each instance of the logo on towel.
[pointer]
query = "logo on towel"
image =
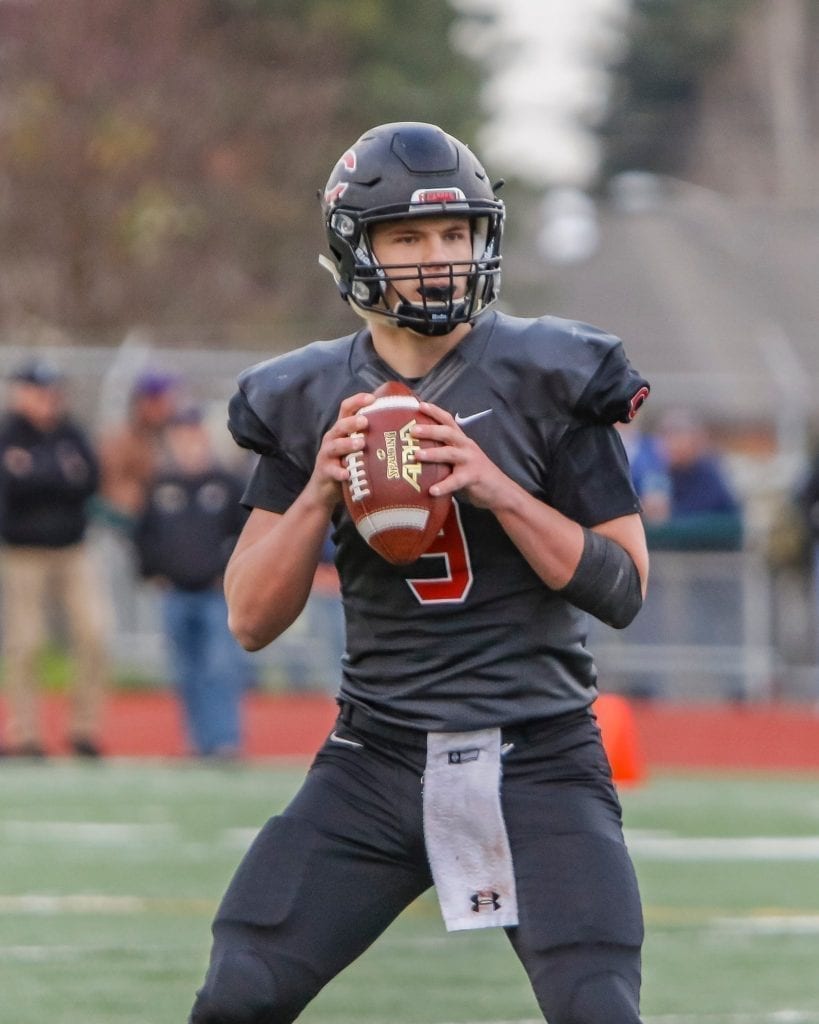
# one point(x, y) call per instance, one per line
point(485, 899)
point(462, 756)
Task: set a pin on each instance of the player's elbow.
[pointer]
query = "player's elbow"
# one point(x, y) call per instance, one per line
point(606, 582)
point(626, 613)
point(248, 632)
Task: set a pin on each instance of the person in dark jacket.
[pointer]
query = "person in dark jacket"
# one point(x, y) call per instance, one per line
point(184, 538)
point(48, 471)
point(808, 499)
point(705, 514)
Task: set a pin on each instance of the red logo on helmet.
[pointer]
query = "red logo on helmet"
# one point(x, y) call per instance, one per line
point(332, 195)
point(438, 195)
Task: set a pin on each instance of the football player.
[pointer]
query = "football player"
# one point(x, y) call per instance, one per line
point(466, 752)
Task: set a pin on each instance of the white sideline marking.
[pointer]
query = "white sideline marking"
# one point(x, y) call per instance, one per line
point(99, 903)
point(754, 923)
point(238, 838)
point(645, 844)
point(52, 954)
point(654, 847)
point(42, 954)
point(96, 833)
point(774, 1017)
point(85, 903)
point(771, 924)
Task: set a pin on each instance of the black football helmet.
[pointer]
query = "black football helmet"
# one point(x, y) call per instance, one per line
point(410, 169)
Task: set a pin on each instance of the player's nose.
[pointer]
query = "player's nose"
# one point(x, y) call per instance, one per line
point(434, 250)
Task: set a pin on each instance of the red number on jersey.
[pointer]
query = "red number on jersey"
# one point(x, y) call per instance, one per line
point(450, 544)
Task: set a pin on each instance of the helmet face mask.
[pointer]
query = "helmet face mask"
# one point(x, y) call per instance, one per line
point(406, 171)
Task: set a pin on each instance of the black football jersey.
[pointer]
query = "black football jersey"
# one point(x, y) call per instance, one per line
point(468, 636)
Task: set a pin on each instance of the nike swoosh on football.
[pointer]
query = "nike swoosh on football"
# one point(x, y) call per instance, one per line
point(463, 420)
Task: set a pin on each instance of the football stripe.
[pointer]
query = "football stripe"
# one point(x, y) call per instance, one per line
point(392, 519)
point(391, 402)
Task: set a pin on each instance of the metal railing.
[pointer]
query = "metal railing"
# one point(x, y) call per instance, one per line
point(705, 631)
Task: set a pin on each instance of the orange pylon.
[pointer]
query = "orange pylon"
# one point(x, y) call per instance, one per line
point(615, 716)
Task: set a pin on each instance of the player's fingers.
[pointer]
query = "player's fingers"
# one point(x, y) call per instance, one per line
point(437, 413)
point(350, 421)
point(456, 481)
point(349, 425)
point(351, 405)
point(440, 432)
point(439, 453)
point(337, 446)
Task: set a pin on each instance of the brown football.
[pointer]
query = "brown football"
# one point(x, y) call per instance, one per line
point(387, 494)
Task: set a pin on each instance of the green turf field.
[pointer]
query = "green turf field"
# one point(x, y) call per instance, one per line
point(109, 876)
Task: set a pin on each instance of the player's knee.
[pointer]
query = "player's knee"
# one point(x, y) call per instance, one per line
point(606, 998)
point(241, 989)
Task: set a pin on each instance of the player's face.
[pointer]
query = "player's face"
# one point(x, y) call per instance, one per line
point(424, 253)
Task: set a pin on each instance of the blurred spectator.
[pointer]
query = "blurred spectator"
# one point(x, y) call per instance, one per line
point(317, 663)
point(704, 512)
point(326, 615)
point(48, 471)
point(184, 536)
point(688, 505)
point(809, 500)
point(649, 471)
point(131, 453)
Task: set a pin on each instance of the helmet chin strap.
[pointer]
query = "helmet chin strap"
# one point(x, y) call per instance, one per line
point(434, 316)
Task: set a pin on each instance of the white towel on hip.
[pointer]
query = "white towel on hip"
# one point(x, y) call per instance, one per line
point(465, 834)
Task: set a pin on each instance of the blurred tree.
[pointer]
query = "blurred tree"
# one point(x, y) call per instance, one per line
point(159, 161)
point(724, 94)
point(672, 43)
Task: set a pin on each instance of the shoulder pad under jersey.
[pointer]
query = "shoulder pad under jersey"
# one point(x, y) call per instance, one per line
point(288, 399)
point(582, 370)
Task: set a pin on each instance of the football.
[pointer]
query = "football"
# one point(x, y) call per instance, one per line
point(387, 494)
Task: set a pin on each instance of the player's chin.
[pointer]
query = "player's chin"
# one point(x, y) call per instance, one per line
point(420, 332)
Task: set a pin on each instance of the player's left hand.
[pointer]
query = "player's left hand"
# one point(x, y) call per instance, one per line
point(473, 474)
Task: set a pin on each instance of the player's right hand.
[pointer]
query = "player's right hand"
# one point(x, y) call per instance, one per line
point(344, 437)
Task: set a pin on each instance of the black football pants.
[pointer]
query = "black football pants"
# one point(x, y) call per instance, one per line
point(325, 878)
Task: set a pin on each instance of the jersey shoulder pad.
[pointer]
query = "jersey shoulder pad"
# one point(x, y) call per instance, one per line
point(275, 394)
point(582, 369)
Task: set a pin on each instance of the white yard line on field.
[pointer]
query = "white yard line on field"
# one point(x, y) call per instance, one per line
point(643, 844)
point(665, 847)
point(95, 833)
point(100, 903)
point(774, 1017)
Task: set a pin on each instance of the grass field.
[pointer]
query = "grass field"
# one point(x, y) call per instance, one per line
point(109, 876)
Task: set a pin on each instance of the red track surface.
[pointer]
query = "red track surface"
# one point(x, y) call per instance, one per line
point(639, 735)
point(773, 736)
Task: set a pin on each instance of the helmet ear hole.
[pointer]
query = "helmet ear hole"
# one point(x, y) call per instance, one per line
point(366, 295)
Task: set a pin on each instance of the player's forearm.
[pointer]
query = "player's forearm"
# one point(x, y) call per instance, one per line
point(550, 542)
point(268, 580)
point(602, 571)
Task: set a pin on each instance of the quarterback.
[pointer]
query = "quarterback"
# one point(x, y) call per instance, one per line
point(466, 754)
